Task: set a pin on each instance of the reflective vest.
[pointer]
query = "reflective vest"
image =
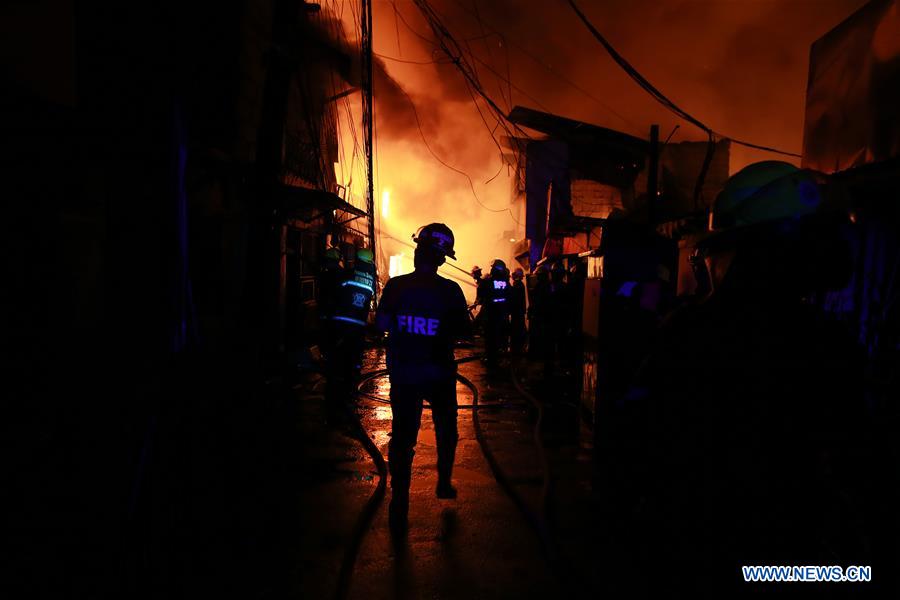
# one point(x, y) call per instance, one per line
point(498, 291)
point(354, 298)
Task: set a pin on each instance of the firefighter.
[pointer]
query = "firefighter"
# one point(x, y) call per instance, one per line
point(497, 310)
point(558, 315)
point(329, 279)
point(701, 275)
point(352, 298)
point(741, 385)
point(480, 282)
point(424, 314)
point(476, 274)
point(538, 312)
point(517, 306)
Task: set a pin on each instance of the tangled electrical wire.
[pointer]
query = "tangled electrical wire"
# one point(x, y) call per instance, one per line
point(463, 59)
point(657, 94)
point(458, 56)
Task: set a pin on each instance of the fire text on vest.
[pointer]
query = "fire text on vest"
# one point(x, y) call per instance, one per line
point(418, 325)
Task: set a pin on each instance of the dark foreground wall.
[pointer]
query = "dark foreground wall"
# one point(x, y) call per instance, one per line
point(136, 420)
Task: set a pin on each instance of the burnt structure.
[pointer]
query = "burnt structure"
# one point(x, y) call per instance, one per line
point(578, 174)
point(573, 178)
point(852, 132)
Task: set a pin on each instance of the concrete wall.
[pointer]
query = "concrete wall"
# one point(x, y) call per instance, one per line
point(594, 199)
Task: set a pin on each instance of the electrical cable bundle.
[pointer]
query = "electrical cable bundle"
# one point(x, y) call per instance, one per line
point(457, 56)
point(657, 94)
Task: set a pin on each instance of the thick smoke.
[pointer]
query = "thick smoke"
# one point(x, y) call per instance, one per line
point(739, 66)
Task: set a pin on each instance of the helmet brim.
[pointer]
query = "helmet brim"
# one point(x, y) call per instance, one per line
point(439, 237)
point(429, 243)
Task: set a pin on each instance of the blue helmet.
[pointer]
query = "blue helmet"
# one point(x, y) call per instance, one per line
point(438, 236)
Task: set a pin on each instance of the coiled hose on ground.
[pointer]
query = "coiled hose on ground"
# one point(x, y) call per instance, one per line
point(538, 521)
point(538, 442)
point(345, 575)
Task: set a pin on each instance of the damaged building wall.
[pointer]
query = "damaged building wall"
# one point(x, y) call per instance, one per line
point(583, 172)
point(852, 131)
point(854, 90)
point(594, 199)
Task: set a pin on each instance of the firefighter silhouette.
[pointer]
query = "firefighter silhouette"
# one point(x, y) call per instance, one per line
point(517, 306)
point(538, 312)
point(352, 299)
point(424, 314)
point(480, 294)
point(557, 312)
point(497, 300)
point(331, 273)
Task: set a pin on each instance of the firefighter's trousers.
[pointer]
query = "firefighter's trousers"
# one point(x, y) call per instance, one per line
point(406, 406)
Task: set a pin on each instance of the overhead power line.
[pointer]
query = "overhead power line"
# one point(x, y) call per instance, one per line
point(447, 165)
point(463, 59)
point(537, 59)
point(657, 94)
point(456, 57)
point(454, 52)
point(411, 62)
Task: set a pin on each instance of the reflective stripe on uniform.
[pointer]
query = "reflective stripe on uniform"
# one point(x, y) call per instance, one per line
point(349, 320)
point(358, 284)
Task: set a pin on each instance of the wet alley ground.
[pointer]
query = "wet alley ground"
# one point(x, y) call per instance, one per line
point(477, 546)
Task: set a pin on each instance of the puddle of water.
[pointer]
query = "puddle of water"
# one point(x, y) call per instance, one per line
point(382, 413)
point(381, 437)
point(382, 387)
point(373, 359)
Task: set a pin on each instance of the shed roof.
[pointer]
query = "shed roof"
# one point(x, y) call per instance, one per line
point(579, 133)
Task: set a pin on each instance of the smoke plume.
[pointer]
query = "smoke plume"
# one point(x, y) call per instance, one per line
point(739, 66)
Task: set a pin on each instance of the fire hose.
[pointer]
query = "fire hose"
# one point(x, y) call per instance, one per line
point(537, 520)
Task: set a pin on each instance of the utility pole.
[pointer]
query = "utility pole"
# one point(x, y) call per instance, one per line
point(368, 116)
point(652, 176)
